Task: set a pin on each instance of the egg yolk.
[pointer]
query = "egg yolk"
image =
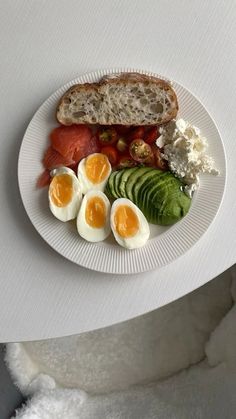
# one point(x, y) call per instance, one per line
point(97, 168)
point(95, 213)
point(126, 221)
point(61, 190)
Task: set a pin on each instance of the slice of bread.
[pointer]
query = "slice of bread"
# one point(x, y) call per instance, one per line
point(126, 98)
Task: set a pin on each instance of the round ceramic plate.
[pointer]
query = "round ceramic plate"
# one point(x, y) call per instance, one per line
point(165, 243)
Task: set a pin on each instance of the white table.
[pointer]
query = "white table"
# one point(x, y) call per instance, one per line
point(47, 43)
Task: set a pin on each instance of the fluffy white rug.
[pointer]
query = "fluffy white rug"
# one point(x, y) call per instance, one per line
point(56, 373)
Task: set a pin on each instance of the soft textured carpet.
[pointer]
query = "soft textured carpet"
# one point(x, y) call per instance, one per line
point(121, 371)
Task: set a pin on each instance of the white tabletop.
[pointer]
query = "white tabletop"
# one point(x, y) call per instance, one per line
point(44, 44)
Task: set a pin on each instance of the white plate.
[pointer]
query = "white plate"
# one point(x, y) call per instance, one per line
point(166, 243)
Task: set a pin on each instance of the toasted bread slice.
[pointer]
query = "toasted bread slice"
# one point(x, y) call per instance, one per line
point(126, 98)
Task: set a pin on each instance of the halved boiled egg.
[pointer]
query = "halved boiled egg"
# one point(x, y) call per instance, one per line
point(93, 172)
point(64, 194)
point(129, 225)
point(93, 221)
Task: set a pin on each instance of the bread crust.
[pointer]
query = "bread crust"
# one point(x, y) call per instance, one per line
point(113, 79)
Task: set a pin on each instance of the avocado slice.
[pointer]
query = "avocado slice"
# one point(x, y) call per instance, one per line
point(123, 181)
point(158, 194)
point(133, 178)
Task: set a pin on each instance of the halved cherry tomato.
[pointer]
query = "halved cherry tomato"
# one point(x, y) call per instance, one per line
point(107, 136)
point(122, 129)
point(151, 135)
point(126, 161)
point(136, 133)
point(140, 151)
point(150, 161)
point(111, 153)
point(159, 162)
point(122, 145)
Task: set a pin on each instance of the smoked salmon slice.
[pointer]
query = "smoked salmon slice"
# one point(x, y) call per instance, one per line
point(73, 142)
point(44, 179)
point(52, 159)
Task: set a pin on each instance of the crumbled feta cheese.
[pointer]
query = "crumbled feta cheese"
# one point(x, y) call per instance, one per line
point(160, 141)
point(185, 150)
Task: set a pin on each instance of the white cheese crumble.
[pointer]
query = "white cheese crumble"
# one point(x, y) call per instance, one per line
point(185, 150)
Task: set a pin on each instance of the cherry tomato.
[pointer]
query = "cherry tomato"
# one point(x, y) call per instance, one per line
point(137, 132)
point(122, 129)
point(151, 135)
point(150, 161)
point(159, 162)
point(122, 145)
point(126, 161)
point(111, 153)
point(140, 151)
point(107, 136)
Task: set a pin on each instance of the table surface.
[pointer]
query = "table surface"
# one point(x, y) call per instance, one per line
point(44, 44)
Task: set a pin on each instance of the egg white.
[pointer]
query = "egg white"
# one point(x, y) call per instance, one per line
point(143, 233)
point(85, 182)
point(93, 234)
point(61, 170)
point(70, 211)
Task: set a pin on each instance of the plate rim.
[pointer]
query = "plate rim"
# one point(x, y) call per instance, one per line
point(101, 73)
